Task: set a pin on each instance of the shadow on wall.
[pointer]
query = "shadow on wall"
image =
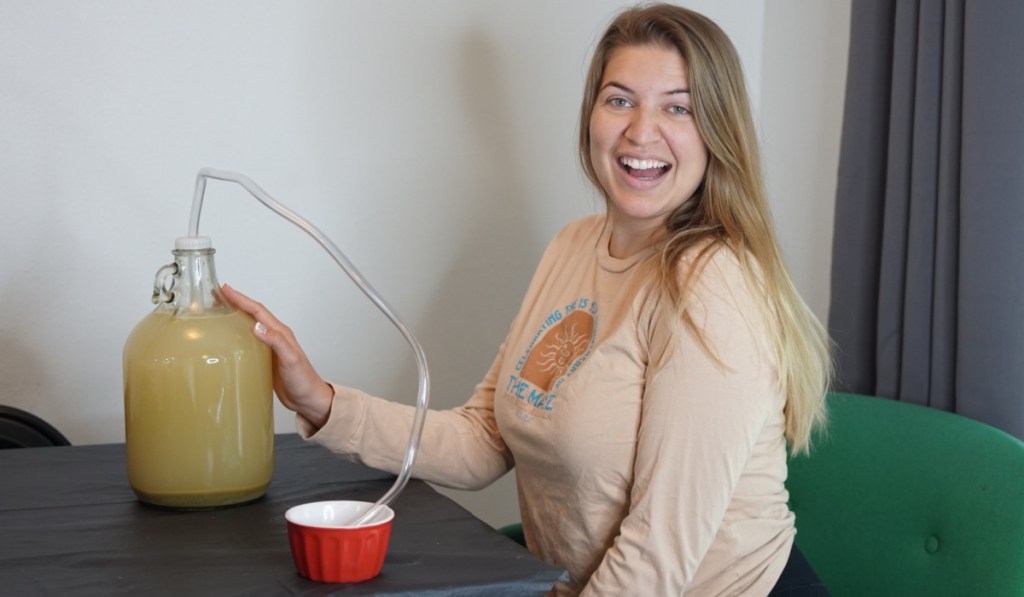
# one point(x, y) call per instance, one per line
point(24, 381)
point(37, 325)
point(483, 285)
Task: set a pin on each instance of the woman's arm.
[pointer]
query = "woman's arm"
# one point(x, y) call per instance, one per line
point(459, 448)
point(700, 422)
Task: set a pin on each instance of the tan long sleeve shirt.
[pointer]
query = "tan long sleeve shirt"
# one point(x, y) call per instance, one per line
point(637, 474)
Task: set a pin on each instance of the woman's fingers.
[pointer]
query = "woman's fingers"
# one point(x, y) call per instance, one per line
point(296, 382)
point(254, 308)
point(269, 329)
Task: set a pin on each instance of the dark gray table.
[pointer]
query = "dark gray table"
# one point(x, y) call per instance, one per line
point(70, 525)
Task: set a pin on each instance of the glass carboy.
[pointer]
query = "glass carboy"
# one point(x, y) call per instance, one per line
point(197, 392)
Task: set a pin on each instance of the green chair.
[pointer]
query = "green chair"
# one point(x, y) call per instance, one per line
point(904, 500)
point(514, 532)
point(901, 499)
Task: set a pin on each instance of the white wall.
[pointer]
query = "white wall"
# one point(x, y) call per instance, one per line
point(804, 68)
point(433, 142)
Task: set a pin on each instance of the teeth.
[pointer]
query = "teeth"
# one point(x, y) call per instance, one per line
point(642, 164)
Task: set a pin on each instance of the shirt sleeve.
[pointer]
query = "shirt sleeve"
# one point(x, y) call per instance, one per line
point(701, 418)
point(460, 448)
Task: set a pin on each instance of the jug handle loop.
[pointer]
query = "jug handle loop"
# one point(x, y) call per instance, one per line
point(163, 284)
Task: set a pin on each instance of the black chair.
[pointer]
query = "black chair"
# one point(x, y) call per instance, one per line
point(21, 429)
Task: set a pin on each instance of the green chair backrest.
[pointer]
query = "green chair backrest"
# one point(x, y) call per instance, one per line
point(901, 499)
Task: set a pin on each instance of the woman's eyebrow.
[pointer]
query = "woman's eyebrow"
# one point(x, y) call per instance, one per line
point(626, 89)
point(617, 85)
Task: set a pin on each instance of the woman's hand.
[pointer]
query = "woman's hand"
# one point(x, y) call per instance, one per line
point(299, 387)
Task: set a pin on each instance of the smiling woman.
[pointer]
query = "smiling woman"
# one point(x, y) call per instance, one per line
point(647, 151)
point(659, 362)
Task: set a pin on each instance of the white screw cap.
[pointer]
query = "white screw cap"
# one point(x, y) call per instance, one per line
point(192, 243)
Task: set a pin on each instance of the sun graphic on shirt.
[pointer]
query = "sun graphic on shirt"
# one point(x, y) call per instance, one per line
point(567, 344)
point(560, 348)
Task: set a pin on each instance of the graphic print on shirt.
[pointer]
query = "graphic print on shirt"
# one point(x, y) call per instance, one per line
point(556, 352)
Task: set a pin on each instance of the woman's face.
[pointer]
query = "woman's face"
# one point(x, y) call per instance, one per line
point(644, 144)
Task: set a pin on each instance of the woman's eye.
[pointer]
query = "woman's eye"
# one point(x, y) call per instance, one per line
point(679, 110)
point(619, 102)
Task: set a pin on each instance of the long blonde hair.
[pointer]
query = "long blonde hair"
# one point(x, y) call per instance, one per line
point(729, 208)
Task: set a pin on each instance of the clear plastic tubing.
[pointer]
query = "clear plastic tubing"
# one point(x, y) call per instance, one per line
point(423, 392)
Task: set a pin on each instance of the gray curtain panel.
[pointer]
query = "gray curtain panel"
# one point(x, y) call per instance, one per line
point(928, 254)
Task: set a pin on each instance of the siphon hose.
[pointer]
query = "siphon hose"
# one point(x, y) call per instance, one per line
point(423, 391)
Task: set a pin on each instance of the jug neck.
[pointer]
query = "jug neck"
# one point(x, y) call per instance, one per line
point(196, 289)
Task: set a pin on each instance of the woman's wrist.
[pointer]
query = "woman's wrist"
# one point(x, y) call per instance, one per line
point(318, 412)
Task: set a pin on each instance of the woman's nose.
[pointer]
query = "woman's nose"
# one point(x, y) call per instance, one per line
point(643, 128)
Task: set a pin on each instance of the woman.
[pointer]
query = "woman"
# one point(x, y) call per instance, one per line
point(661, 357)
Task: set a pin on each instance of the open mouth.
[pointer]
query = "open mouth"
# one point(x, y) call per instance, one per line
point(644, 169)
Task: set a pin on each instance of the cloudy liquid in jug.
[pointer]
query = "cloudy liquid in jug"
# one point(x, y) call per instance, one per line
point(198, 410)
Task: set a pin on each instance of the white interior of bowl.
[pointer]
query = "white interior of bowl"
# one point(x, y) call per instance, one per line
point(336, 514)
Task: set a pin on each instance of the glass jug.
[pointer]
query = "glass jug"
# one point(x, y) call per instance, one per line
point(197, 392)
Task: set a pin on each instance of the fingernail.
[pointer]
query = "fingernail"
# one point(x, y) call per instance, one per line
point(261, 329)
